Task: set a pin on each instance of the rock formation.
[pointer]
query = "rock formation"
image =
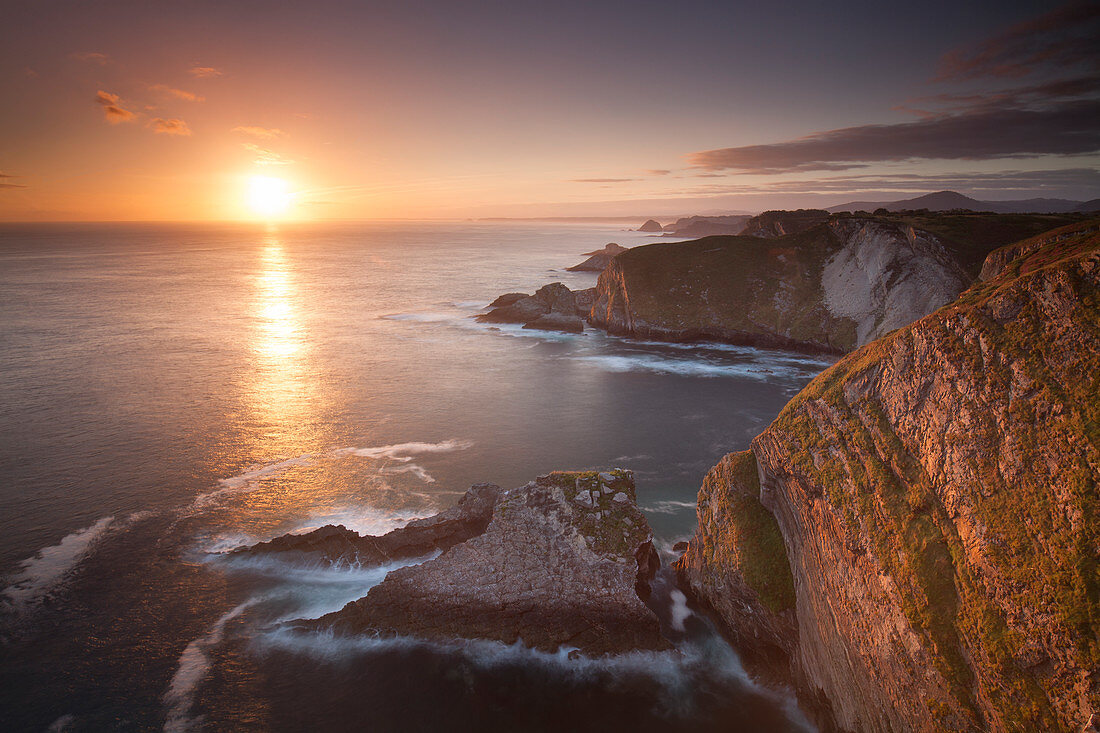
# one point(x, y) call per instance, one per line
point(553, 307)
point(599, 259)
point(341, 546)
point(651, 225)
point(564, 561)
point(937, 495)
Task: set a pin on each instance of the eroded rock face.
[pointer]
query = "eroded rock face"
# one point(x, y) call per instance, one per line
point(937, 495)
point(599, 259)
point(342, 546)
point(564, 562)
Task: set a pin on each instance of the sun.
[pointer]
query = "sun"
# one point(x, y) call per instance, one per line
point(269, 196)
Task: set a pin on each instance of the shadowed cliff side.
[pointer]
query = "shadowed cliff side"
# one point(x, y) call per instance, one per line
point(937, 495)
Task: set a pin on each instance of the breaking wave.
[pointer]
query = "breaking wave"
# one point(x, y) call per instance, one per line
point(40, 574)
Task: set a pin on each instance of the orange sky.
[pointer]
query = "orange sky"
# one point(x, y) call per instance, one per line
point(130, 111)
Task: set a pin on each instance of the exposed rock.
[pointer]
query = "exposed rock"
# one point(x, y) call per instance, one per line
point(553, 306)
point(508, 299)
point(557, 322)
point(599, 259)
point(937, 496)
point(559, 565)
point(418, 538)
point(773, 224)
point(651, 225)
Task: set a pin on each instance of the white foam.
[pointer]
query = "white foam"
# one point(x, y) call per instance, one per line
point(669, 507)
point(40, 574)
point(193, 665)
point(679, 611)
point(405, 451)
point(419, 471)
point(250, 478)
point(61, 723)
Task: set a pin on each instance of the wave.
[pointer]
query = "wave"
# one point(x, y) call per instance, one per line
point(669, 507)
point(42, 573)
point(405, 451)
point(193, 665)
point(250, 478)
point(687, 367)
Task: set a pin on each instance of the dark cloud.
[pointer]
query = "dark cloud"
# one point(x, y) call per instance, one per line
point(602, 180)
point(170, 126)
point(1032, 182)
point(1059, 39)
point(985, 133)
point(112, 110)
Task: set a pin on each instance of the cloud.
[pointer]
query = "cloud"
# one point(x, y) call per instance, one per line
point(92, 57)
point(602, 180)
point(658, 172)
point(265, 156)
point(170, 126)
point(1060, 39)
point(263, 133)
point(985, 133)
point(112, 110)
point(1004, 181)
point(204, 72)
point(177, 93)
point(5, 184)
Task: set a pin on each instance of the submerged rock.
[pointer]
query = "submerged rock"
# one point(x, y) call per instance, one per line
point(561, 563)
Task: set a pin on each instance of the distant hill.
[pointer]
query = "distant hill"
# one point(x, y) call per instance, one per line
point(949, 200)
point(705, 226)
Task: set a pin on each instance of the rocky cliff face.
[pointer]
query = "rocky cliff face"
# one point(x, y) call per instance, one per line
point(564, 561)
point(736, 565)
point(831, 287)
point(937, 496)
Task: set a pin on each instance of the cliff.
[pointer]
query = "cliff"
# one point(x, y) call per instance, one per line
point(599, 259)
point(564, 561)
point(937, 496)
point(772, 224)
point(832, 287)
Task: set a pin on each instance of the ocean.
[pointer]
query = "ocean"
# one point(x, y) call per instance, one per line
point(172, 391)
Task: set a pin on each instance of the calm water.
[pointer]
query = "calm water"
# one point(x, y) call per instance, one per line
point(168, 392)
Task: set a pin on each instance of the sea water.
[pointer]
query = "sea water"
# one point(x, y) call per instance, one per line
point(169, 392)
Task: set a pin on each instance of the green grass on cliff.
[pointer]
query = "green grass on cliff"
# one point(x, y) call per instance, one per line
point(742, 535)
point(1040, 529)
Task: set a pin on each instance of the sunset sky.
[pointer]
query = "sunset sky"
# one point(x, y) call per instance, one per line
point(177, 111)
